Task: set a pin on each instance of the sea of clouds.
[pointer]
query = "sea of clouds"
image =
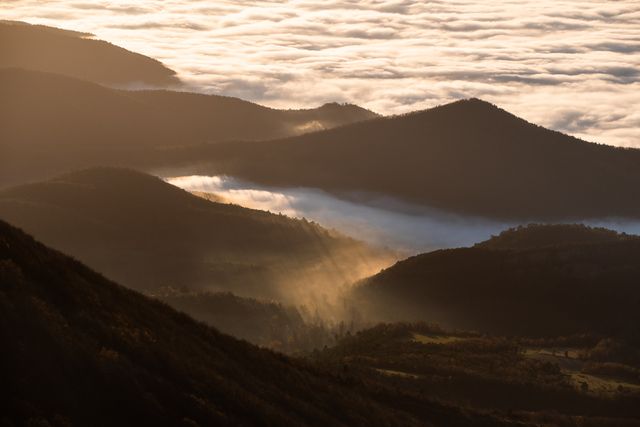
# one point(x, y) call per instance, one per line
point(571, 65)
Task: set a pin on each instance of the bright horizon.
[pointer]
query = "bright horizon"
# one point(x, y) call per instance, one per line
point(573, 66)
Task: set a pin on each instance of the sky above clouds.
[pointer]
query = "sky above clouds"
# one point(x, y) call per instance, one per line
point(573, 66)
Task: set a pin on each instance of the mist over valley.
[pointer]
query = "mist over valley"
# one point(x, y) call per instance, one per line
point(375, 219)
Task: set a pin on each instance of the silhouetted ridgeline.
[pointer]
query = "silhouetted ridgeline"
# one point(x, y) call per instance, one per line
point(145, 234)
point(79, 350)
point(468, 157)
point(586, 286)
point(549, 235)
point(75, 54)
point(50, 124)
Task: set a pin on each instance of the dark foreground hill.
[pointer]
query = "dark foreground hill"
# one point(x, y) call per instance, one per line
point(591, 286)
point(468, 157)
point(79, 350)
point(145, 234)
point(75, 54)
point(51, 123)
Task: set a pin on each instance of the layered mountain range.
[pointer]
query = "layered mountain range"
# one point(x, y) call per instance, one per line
point(537, 323)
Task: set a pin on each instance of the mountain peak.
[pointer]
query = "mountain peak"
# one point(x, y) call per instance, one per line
point(347, 107)
point(471, 107)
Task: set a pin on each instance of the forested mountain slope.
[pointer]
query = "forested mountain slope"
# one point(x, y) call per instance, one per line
point(548, 290)
point(80, 350)
point(145, 234)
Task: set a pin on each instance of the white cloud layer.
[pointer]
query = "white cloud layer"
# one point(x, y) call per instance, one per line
point(571, 65)
point(406, 228)
point(411, 230)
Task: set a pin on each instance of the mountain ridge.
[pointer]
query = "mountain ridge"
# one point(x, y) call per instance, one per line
point(77, 54)
point(50, 123)
point(538, 236)
point(467, 157)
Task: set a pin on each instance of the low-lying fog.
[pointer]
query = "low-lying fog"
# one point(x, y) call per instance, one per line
point(380, 221)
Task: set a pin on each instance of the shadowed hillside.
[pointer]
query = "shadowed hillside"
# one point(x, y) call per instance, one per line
point(468, 157)
point(145, 234)
point(548, 290)
point(80, 350)
point(50, 124)
point(75, 54)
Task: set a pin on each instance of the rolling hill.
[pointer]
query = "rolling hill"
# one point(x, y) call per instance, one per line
point(81, 350)
point(518, 284)
point(79, 55)
point(146, 234)
point(50, 124)
point(467, 157)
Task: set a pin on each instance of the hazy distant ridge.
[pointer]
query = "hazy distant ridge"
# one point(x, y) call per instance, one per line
point(79, 55)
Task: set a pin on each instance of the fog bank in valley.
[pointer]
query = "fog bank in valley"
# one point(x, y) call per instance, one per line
point(380, 221)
